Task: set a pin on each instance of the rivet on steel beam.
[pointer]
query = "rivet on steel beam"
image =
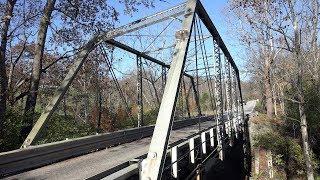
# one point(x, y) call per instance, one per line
point(182, 34)
point(188, 12)
point(152, 155)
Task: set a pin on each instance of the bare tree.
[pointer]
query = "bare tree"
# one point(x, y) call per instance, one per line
point(293, 25)
point(37, 67)
point(6, 19)
point(78, 19)
point(260, 41)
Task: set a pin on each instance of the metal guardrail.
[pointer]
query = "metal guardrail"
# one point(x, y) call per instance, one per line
point(127, 169)
point(16, 161)
point(130, 168)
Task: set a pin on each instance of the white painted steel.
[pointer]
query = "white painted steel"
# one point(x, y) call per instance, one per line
point(203, 142)
point(191, 148)
point(174, 158)
point(211, 137)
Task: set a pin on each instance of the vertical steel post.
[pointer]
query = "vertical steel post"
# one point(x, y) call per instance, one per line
point(163, 77)
point(152, 166)
point(196, 96)
point(219, 101)
point(187, 97)
point(239, 106)
point(203, 143)
point(225, 94)
point(236, 102)
point(229, 101)
point(139, 91)
point(211, 137)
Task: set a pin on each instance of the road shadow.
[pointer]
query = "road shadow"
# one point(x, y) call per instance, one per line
point(232, 168)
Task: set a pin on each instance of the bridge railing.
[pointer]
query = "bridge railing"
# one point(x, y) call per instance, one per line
point(36, 156)
point(190, 153)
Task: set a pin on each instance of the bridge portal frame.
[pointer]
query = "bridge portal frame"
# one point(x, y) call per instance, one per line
point(153, 165)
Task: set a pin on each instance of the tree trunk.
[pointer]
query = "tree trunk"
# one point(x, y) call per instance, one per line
point(270, 164)
point(303, 122)
point(268, 89)
point(282, 100)
point(99, 106)
point(275, 101)
point(9, 85)
point(3, 75)
point(256, 161)
point(303, 118)
point(305, 143)
point(36, 68)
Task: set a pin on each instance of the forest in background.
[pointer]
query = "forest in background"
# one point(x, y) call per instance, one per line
point(281, 39)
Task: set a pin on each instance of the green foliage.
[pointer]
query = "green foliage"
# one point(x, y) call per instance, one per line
point(61, 127)
point(125, 123)
point(122, 120)
point(260, 107)
point(150, 117)
point(312, 98)
point(287, 152)
point(312, 107)
point(12, 127)
point(204, 99)
point(58, 128)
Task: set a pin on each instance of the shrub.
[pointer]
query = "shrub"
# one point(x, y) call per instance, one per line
point(61, 127)
point(12, 127)
point(287, 152)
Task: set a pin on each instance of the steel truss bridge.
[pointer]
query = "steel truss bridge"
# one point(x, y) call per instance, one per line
point(148, 152)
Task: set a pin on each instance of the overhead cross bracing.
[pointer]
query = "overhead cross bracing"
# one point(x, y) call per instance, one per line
point(182, 70)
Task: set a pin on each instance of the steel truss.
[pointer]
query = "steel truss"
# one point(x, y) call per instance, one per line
point(153, 165)
point(83, 53)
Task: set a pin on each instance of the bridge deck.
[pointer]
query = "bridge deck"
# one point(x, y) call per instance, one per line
point(89, 165)
point(99, 162)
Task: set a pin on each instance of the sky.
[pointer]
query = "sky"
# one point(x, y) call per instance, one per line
point(217, 12)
